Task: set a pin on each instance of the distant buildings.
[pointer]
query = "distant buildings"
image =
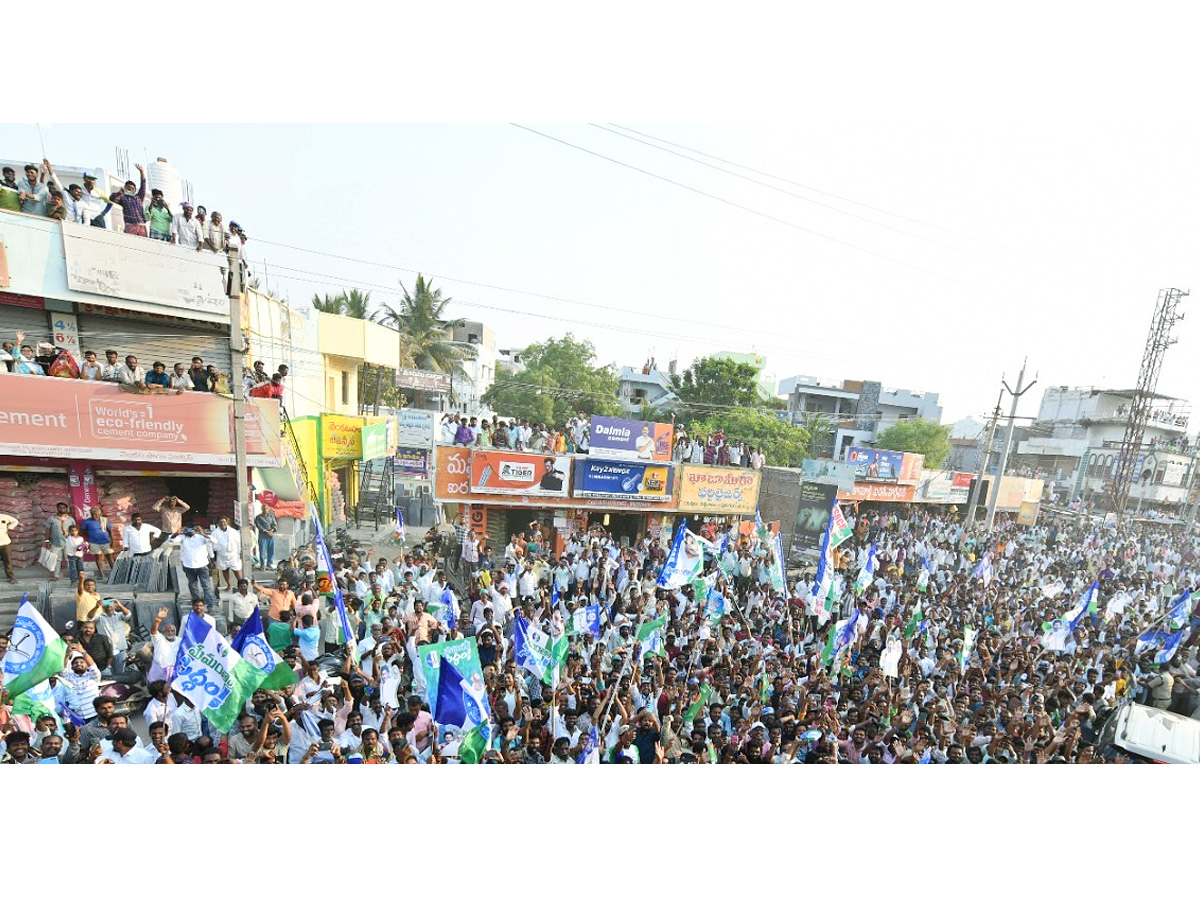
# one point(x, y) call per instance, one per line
point(644, 388)
point(858, 409)
point(479, 365)
point(1076, 439)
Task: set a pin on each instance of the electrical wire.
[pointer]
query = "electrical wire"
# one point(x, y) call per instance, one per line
point(788, 193)
point(328, 280)
point(756, 212)
point(807, 187)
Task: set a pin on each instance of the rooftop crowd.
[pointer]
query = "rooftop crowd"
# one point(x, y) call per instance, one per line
point(40, 193)
point(575, 437)
point(754, 683)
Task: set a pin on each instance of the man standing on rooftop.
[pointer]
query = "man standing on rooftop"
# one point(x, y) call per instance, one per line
point(132, 202)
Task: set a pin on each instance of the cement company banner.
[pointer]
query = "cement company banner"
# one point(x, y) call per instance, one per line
point(65, 418)
point(631, 440)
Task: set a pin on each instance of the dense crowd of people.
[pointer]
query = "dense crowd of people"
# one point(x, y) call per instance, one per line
point(938, 645)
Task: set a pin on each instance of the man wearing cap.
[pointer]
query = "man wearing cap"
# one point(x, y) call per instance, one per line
point(95, 203)
point(186, 230)
point(131, 201)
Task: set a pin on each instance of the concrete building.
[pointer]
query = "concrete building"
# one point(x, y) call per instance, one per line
point(479, 366)
point(511, 360)
point(645, 389)
point(860, 409)
point(1076, 439)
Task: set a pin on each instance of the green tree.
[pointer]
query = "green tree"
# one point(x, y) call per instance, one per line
point(918, 436)
point(561, 377)
point(782, 443)
point(710, 382)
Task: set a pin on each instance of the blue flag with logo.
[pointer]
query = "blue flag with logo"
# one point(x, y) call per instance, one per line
point(1181, 609)
point(323, 557)
point(672, 574)
point(456, 707)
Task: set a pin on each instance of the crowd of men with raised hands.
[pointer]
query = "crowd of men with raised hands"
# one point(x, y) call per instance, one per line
point(919, 642)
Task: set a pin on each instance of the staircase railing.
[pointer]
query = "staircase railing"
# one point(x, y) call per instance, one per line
point(295, 459)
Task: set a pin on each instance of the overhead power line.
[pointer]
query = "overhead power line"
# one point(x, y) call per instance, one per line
point(753, 211)
point(788, 193)
point(807, 187)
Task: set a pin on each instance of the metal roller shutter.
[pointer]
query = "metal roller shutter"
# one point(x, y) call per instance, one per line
point(153, 340)
point(34, 322)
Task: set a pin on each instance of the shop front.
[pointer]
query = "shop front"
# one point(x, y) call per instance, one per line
point(503, 493)
point(95, 445)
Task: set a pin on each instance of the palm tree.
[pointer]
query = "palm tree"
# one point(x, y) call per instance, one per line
point(356, 304)
point(424, 333)
point(327, 304)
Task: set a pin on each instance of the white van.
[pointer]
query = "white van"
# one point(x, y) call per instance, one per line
point(1152, 735)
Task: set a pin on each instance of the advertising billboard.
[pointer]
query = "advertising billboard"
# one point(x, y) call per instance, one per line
point(501, 472)
point(816, 503)
point(829, 471)
point(718, 490)
point(884, 493)
point(875, 465)
point(960, 487)
point(420, 380)
point(374, 441)
point(911, 466)
point(452, 473)
point(71, 419)
point(414, 428)
point(632, 480)
point(411, 463)
point(341, 436)
point(631, 440)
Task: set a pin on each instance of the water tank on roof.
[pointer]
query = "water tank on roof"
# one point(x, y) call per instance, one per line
point(165, 177)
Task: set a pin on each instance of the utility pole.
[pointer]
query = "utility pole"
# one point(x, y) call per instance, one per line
point(983, 462)
point(237, 348)
point(1012, 421)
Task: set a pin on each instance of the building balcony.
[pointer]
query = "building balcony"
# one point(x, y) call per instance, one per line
point(46, 258)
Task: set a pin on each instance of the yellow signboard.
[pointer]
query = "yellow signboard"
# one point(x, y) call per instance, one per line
point(341, 437)
point(718, 490)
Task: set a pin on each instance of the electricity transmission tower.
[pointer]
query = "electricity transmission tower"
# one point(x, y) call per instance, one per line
point(1157, 342)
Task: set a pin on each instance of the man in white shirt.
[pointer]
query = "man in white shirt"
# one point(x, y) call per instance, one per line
point(138, 535)
point(131, 372)
point(227, 542)
point(195, 548)
point(527, 583)
point(245, 601)
point(186, 230)
point(125, 749)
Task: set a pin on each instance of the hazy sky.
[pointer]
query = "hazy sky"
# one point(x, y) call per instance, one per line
point(1003, 217)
